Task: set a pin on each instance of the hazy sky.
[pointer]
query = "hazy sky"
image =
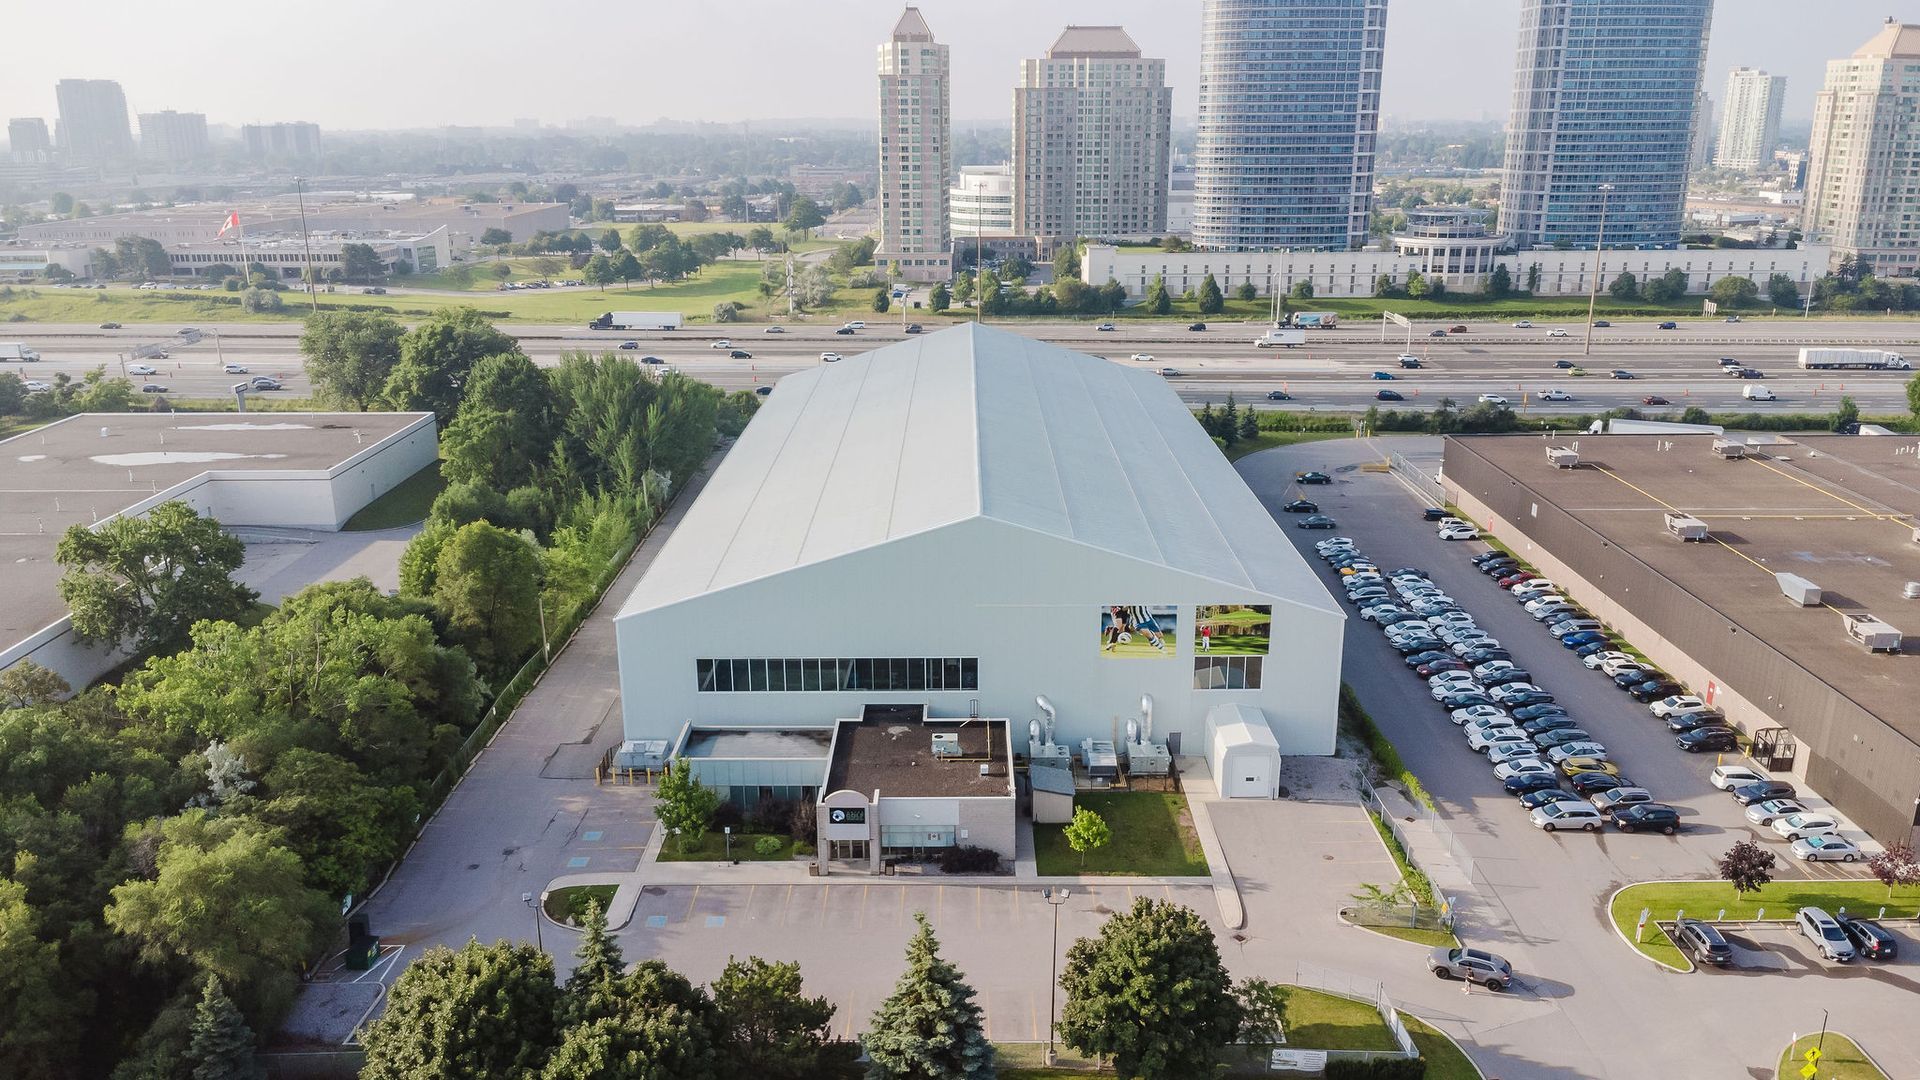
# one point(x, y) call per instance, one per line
point(411, 63)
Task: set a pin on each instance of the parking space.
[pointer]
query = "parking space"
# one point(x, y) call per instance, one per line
point(1780, 950)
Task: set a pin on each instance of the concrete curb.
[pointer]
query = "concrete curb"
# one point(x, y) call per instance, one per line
point(1630, 943)
point(1226, 891)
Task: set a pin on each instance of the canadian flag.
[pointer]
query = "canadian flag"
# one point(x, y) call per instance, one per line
point(227, 226)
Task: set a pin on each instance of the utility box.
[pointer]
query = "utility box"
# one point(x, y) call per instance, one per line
point(1563, 457)
point(1799, 590)
point(1688, 529)
point(1729, 449)
point(1148, 759)
point(641, 754)
point(1101, 760)
point(1874, 634)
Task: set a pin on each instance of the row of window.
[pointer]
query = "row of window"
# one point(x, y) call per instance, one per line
point(838, 674)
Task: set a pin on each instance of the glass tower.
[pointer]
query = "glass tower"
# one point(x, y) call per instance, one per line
point(1289, 111)
point(1604, 92)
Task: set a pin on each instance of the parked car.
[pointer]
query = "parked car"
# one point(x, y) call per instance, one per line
point(1805, 823)
point(1766, 813)
point(1543, 796)
point(1531, 783)
point(1714, 739)
point(1588, 784)
point(1824, 931)
point(1646, 816)
point(1473, 965)
point(1536, 712)
point(1548, 740)
point(1693, 721)
point(1652, 688)
point(1547, 725)
point(1619, 798)
point(1703, 941)
point(1678, 703)
point(1573, 766)
point(1315, 521)
point(1576, 750)
point(1566, 815)
point(1762, 790)
point(1824, 849)
point(1465, 700)
point(1521, 766)
point(1302, 506)
point(1730, 777)
point(1312, 478)
point(1869, 938)
point(1479, 713)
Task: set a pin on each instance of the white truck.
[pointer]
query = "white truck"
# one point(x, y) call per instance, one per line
point(13, 350)
point(1281, 337)
point(638, 320)
point(1853, 360)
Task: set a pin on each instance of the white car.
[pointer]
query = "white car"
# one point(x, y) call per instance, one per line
point(1824, 849)
point(1446, 690)
point(1462, 648)
point(1666, 707)
point(1558, 331)
point(829, 357)
point(774, 330)
point(1541, 603)
point(1490, 667)
point(1594, 661)
point(1502, 693)
point(1555, 395)
point(236, 369)
point(1474, 714)
point(1459, 532)
point(1728, 777)
point(1566, 815)
point(1492, 399)
point(1482, 741)
point(857, 324)
point(1796, 826)
point(141, 369)
point(1521, 766)
point(1772, 810)
point(1405, 358)
point(1508, 753)
point(1145, 358)
point(723, 343)
point(1445, 678)
point(1617, 667)
point(1523, 324)
point(1488, 727)
point(35, 386)
point(1106, 327)
point(1564, 751)
point(1533, 587)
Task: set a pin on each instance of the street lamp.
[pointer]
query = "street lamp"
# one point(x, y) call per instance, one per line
point(306, 239)
point(527, 899)
point(727, 830)
point(1054, 898)
point(1593, 287)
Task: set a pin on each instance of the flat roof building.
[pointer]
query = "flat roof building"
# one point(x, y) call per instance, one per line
point(1837, 511)
point(1751, 124)
point(1863, 170)
point(916, 153)
point(343, 212)
point(300, 470)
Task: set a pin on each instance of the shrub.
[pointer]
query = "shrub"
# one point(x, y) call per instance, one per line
point(771, 815)
point(728, 815)
point(969, 859)
point(801, 847)
point(802, 826)
point(768, 845)
point(1377, 1069)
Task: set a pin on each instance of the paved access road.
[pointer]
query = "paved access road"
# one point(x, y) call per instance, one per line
point(1333, 371)
point(1541, 898)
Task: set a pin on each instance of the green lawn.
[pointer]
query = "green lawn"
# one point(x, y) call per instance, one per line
point(1429, 938)
point(564, 905)
point(1152, 836)
point(407, 503)
point(1780, 899)
point(714, 849)
point(1267, 440)
point(1445, 1060)
point(1839, 1059)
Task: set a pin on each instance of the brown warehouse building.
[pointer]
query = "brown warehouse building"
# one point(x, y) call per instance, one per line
point(1795, 543)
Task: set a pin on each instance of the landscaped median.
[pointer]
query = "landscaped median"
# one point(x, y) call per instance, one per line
point(1777, 900)
point(1839, 1059)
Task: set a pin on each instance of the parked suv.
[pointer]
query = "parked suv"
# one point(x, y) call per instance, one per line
point(1490, 970)
point(1829, 940)
point(1702, 940)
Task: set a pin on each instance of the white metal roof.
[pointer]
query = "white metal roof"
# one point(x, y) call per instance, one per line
point(974, 422)
point(1241, 725)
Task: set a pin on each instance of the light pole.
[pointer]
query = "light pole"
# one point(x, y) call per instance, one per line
point(727, 830)
point(1593, 287)
point(1054, 898)
point(306, 239)
point(527, 899)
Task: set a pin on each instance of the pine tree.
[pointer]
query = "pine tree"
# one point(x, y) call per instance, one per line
point(1209, 420)
point(1249, 425)
point(1211, 299)
point(1230, 422)
point(221, 1044)
point(593, 989)
point(929, 1027)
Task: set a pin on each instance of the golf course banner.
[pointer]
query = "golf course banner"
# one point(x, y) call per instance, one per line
point(1232, 629)
point(1139, 630)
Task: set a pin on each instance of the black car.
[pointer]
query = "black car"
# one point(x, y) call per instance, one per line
point(1544, 725)
point(1315, 521)
point(1465, 700)
point(1481, 656)
point(1485, 556)
point(1547, 740)
point(1589, 784)
point(1564, 364)
point(1869, 938)
point(1631, 680)
point(1279, 395)
point(1535, 712)
point(1432, 513)
point(1527, 783)
point(1601, 323)
point(1197, 326)
point(1703, 942)
point(1656, 689)
point(1650, 816)
point(1409, 361)
point(1691, 721)
point(1419, 658)
point(1434, 667)
point(1389, 395)
point(763, 391)
point(1302, 506)
point(1505, 676)
point(1500, 568)
point(1542, 797)
point(1411, 571)
point(1312, 478)
point(1716, 739)
point(913, 328)
point(109, 326)
point(1419, 644)
point(1529, 697)
point(845, 331)
point(1748, 794)
point(739, 354)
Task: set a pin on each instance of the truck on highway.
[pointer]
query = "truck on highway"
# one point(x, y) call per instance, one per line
point(1853, 360)
point(638, 320)
point(13, 350)
point(1314, 320)
point(1281, 337)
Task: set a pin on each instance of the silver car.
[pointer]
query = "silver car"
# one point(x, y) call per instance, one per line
point(1490, 970)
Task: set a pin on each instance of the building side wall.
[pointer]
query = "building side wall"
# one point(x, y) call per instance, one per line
point(988, 823)
point(1025, 604)
point(1868, 770)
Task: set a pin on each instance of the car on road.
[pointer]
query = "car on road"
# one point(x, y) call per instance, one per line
point(1196, 326)
point(651, 360)
point(763, 391)
point(1555, 395)
point(1601, 323)
point(1589, 784)
point(1558, 331)
point(1389, 395)
point(1383, 376)
point(1530, 783)
point(1145, 358)
point(1574, 766)
point(855, 324)
point(1766, 813)
point(374, 290)
point(1729, 777)
point(1490, 970)
point(109, 326)
point(1618, 798)
point(1566, 814)
point(1669, 325)
point(1717, 740)
point(845, 331)
point(1523, 324)
point(1312, 478)
point(1106, 328)
point(35, 386)
point(1654, 399)
point(1620, 373)
point(723, 343)
point(1563, 365)
point(1492, 399)
point(1869, 938)
point(233, 369)
point(1171, 373)
point(829, 357)
point(1762, 790)
point(1279, 395)
point(629, 346)
point(152, 388)
point(1824, 849)
point(264, 382)
point(1409, 361)
point(1302, 506)
point(141, 369)
point(1647, 817)
point(774, 330)
point(1806, 823)
point(739, 354)
point(1457, 329)
point(1436, 333)
point(1703, 941)
point(1824, 931)
point(1315, 521)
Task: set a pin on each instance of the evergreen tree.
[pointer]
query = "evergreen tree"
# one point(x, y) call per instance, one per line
point(1212, 302)
point(593, 988)
point(1230, 422)
point(940, 298)
point(1209, 420)
point(774, 1032)
point(1158, 302)
point(929, 1027)
point(1249, 425)
point(221, 1047)
point(1499, 283)
point(1248, 291)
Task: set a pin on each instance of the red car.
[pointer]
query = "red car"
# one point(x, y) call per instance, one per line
point(1654, 399)
point(1456, 329)
point(1510, 582)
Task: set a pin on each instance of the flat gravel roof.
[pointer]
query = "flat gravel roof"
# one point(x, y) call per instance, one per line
point(897, 758)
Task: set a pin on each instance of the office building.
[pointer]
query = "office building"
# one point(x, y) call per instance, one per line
point(982, 202)
point(1772, 626)
point(1090, 140)
point(916, 153)
point(174, 138)
point(93, 121)
point(377, 213)
point(1702, 153)
point(296, 141)
point(1751, 124)
point(27, 139)
point(1604, 93)
point(1289, 111)
point(1863, 174)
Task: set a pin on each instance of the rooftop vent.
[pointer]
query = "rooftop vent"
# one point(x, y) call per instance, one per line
point(1874, 634)
point(946, 744)
point(1799, 590)
point(1729, 449)
point(1563, 457)
point(1687, 528)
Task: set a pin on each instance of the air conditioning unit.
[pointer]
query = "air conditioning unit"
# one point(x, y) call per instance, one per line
point(1874, 634)
point(946, 744)
point(1563, 457)
point(1912, 591)
point(1799, 590)
point(1687, 528)
point(1730, 449)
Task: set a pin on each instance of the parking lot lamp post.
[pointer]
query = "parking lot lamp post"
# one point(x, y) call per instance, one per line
point(534, 906)
point(306, 240)
point(1593, 287)
point(727, 830)
point(1054, 898)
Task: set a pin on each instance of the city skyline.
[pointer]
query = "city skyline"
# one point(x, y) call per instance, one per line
point(826, 81)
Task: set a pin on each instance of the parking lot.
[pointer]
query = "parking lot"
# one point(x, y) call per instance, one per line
point(1779, 950)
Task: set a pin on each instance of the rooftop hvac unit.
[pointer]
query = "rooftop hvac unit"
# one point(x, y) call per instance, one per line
point(1798, 589)
point(1730, 449)
point(1874, 634)
point(946, 744)
point(1103, 763)
point(1562, 457)
point(641, 754)
point(1686, 528)
point(1912, 591)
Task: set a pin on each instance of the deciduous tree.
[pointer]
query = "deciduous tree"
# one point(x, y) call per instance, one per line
point(1782, 291)
point(929, 1028)
point(436, 358)
point(774, 1031)
point(683, 805)
point(1625, 287)
point(1734, 291)
point(504, 428)
point(145, 581)
point(487, 587)
point(1087, 831)
point(1895, 866)
point(349, 355)
point(481, 1010)
point(1747, 867)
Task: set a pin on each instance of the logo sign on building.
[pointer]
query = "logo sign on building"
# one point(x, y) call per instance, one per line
point(848, 815)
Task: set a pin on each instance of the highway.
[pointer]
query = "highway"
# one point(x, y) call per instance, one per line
point(1333, 371)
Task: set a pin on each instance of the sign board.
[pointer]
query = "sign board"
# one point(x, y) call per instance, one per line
point(1642, 924)
point(1812, 1055)
point(1298, 1061)
point(1396, 318)
point(1709, 307)
point(1808, 1070)
point(848, 815)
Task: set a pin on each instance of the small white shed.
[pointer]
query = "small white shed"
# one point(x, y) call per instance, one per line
point(1242, 753)
point(1052, 794)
